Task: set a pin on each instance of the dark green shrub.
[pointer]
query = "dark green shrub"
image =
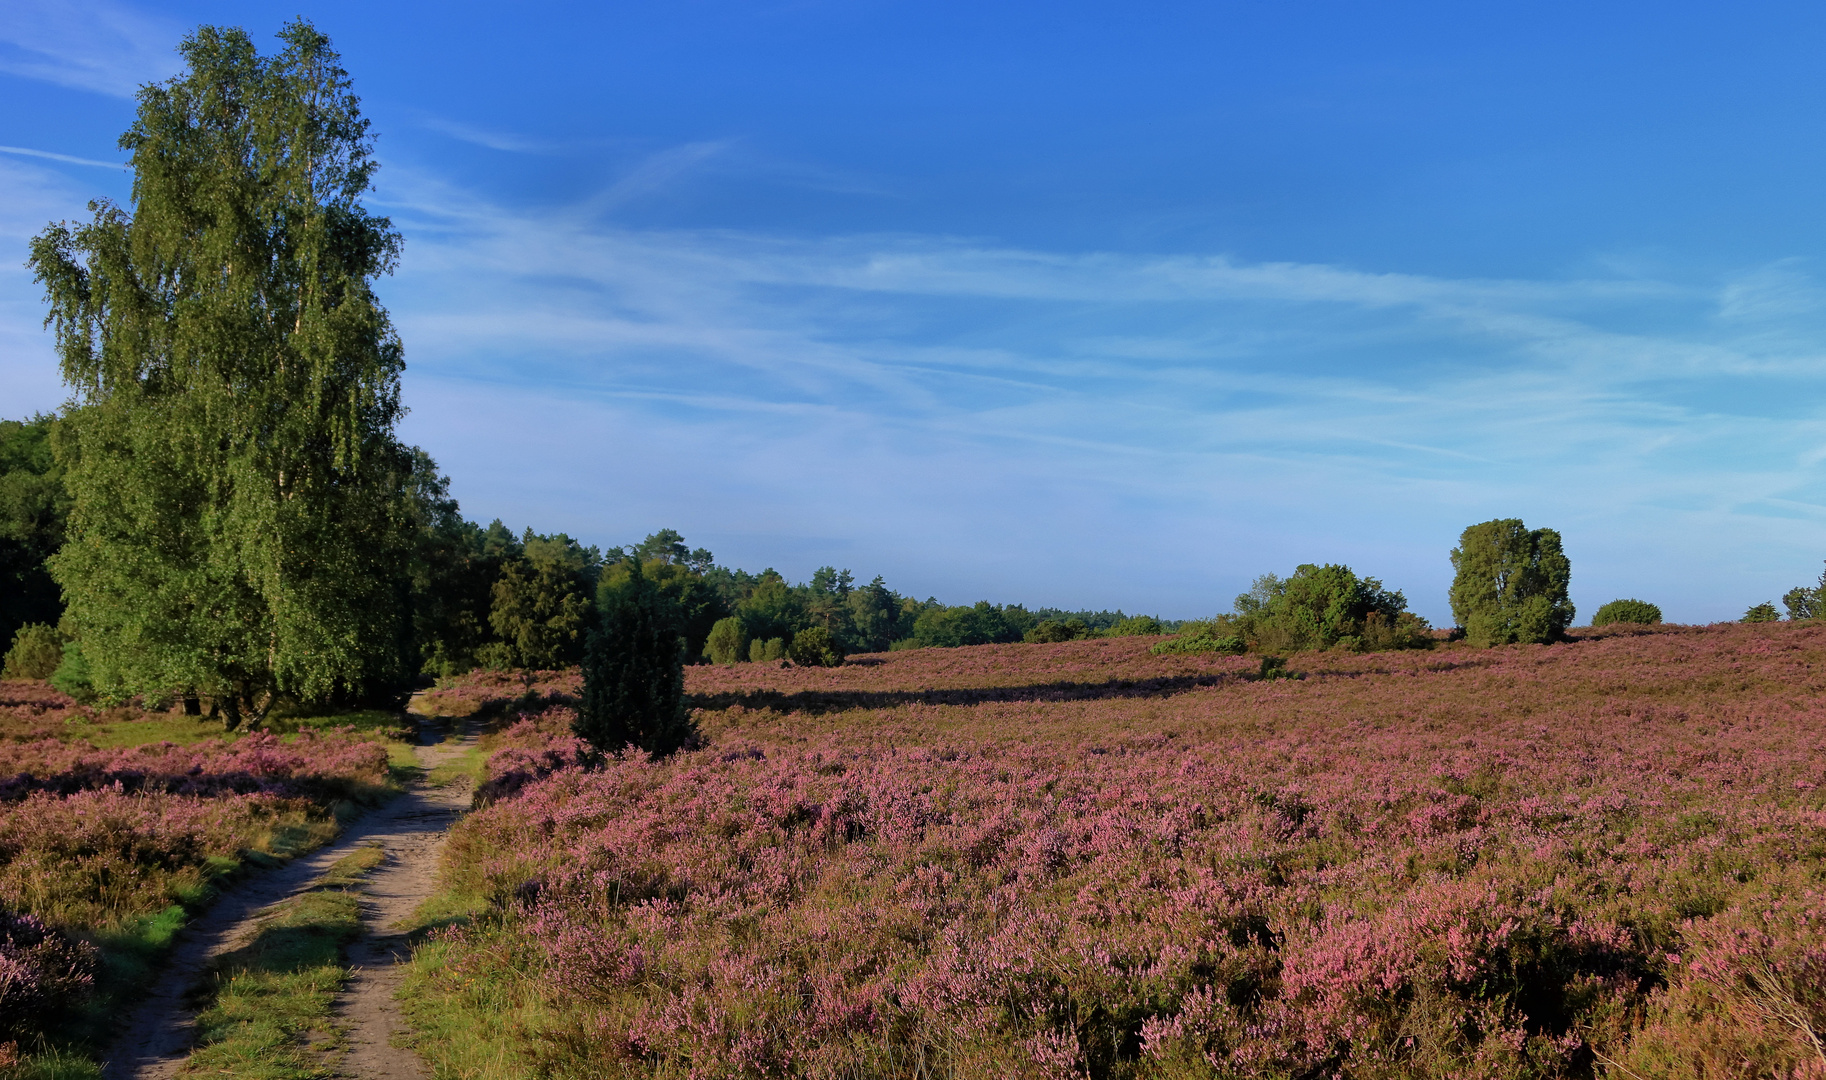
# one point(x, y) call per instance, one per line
point(1136, 626)
point(1322, 607)
point(1627, 611)
point(1201, 642)
point(633, 675)
point(1763, 612)
point(1510, 584)
point(815, 647)
point(760, 651)
point(36, 653)
point(1050, 631)
point(728, 641)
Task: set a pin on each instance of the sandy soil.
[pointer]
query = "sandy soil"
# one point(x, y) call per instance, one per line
point(158, 1035)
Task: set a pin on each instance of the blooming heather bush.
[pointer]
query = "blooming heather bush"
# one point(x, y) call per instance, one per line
point(41, 970)
point(535, 746)
point(92, 840)
point(489, 695)
point(323, 766)
point(1085, 860)
point(32, 709)
point(88, 837)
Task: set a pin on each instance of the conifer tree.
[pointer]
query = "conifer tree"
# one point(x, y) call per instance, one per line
point(633, 673)
point(237, 520)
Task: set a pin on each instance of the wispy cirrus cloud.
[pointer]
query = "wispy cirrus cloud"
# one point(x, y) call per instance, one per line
point(1218, 415)
point(504, 141)
point(67, 159)
point(31, 195)
point(89, 45)
point(1091, 428)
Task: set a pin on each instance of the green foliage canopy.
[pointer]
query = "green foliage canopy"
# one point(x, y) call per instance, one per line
point(980, 624)
point(772, 610)
point(34, 506)
point(542, 609)
point(680, 577)
point(1510, 584)
point(236, 522)
point(1319, 607)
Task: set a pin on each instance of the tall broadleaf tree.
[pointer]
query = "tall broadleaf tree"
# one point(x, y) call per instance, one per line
point(1510, 584)
point(237, 523)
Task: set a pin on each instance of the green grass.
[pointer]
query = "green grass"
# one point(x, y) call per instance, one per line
point(53, 1064)
point(466, 766)
point(120, 734)
point(184, 730)
point(270, 1016)
point(466, 1002)
point(375, 721)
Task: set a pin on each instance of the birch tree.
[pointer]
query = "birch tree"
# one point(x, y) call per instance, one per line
point(237, 519)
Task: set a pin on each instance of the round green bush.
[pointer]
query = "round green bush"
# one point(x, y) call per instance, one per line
point(815, 647)
point(728, 642)
point(1051, 631)
point(1627, 611)
point(36, 652)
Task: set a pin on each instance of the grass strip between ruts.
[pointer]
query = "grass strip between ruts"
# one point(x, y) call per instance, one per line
point(270, 1011)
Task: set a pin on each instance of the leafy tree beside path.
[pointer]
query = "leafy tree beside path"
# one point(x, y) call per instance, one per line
point(239, 510)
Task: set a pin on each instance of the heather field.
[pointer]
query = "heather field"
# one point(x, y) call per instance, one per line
point(116, 824)
point(1605, 857)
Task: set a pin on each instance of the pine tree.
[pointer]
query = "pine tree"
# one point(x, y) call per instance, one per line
point(236, 527)
point(633, 674)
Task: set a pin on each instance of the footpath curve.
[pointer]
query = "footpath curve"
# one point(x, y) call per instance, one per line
point(410, 829)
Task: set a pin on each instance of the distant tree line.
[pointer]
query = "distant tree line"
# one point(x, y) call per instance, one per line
point(224, 514)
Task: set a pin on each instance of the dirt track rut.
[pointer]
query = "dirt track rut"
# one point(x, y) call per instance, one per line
point(157, 1037)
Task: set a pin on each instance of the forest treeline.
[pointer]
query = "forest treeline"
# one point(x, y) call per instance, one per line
point(224, 512)
point(472, 595)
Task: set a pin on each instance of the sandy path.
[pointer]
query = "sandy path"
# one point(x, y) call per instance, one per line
point(158, 1035)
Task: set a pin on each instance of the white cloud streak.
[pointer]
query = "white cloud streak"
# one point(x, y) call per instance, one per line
point(1027, 424)
point(88, 45)
point(1076, 428)
point(46, 155)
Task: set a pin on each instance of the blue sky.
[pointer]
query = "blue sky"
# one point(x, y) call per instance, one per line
point(1067, 304)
